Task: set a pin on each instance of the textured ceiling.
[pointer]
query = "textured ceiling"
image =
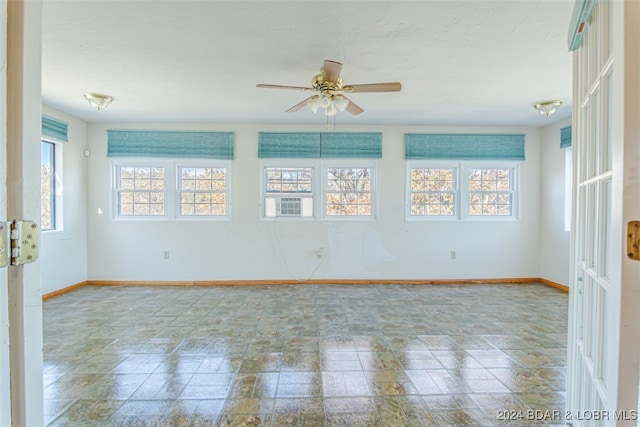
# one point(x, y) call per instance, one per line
point(460, 62)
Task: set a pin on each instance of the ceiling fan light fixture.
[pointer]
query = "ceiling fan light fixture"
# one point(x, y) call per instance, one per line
point(314, 103)
point(331, 110)
point(325, 101)
point(548, 107)
point(98, 100)
point(340, 102)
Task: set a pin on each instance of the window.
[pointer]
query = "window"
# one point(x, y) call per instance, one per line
point(464, 190)
point(203, 191)
point(288, 192)
point(291, 191)
point(166, 189)
point(349, 191)
point(490, 192)
point(433, 192)
point(48, 186)
point(141, 191)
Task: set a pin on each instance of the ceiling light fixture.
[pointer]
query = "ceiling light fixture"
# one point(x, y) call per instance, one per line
point(98, 100)
point(548, 107)
point(332, 104)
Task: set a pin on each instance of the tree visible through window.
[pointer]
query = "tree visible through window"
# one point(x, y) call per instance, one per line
point(349, 192)
point(141, 191)
point(490, 192)
point(47, 186)
point(288, 192)
point(203, 191)
point(433, 191)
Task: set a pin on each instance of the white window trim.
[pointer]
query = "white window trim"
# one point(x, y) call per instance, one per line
point(58, 170)
point(432, 164)
point(213, 163)
point(290, 163)
point(171, 188)
point(462, 192)
point(354, 163)
point(319, 185)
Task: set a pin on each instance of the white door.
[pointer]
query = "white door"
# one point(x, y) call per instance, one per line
point(602, 386)
point(5, 400)
point(21, 394)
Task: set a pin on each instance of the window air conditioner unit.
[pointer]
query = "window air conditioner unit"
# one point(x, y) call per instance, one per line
point(289, 206)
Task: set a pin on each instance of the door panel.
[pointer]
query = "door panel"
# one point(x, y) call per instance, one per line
point(603, 345)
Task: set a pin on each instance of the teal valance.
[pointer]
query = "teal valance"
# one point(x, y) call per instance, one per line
point(320, 145)
point(565, 137)
point(351, 145)
point(54, 129)
point(182, 144)
point(464, 146)
point(302, 145)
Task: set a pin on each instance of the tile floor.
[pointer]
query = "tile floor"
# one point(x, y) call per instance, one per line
point(305, 355)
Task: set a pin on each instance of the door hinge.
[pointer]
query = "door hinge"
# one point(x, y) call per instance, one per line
point(633, 240)
point(18, 242)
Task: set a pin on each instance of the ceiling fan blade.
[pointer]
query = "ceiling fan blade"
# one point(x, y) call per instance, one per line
point(352, 107)
point(300, 105)
point(284, 87)
point(331, 71)
point(374, 87)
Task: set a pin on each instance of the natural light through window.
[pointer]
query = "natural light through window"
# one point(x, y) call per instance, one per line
point(288, 192)
point(349, 191)
point(490, 192)
point(203, 191)
point(141, 191)
point(48, 186)
point(432, 192)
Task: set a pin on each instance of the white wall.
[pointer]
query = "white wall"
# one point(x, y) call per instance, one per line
point(554, 240)
point(63, 253)
point(247, 248)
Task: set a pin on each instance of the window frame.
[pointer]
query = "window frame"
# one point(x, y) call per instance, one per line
point(213, 164)
point(515, 191)
point(461, 203)
point(434, 164)
point(354, 163)
point(288, 164)
point(171, 187)
point(56, 181)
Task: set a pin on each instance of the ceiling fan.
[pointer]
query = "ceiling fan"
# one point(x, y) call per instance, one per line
point(331, 89)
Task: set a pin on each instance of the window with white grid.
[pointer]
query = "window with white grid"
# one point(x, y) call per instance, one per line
point(202, 191)
point(140, 191)
point(432, 192)
point(467, 190)
point(349, 192)
point(288, 192)
point(170, 189)
point(490, 191)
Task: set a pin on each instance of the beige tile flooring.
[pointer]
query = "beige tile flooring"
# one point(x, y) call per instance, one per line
point(305, 355)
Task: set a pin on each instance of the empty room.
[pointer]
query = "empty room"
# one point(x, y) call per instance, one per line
point(303, 213)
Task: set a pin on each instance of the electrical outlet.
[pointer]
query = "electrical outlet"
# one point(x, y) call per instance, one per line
point(453, 254)
point(166, 254)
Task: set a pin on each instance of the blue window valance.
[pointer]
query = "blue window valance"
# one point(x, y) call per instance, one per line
point(54, 129)
point(320, 145)
point(464, 146)
point(565, 137)
point(289, 145)
point(182, 144)
point(351, 145)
